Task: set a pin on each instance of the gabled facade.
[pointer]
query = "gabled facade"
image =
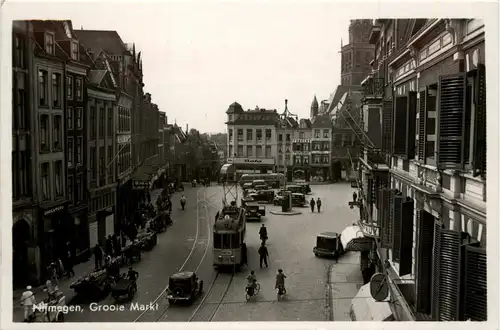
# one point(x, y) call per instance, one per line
point(428, 215)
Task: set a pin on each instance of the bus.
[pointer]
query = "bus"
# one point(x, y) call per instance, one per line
point(229, 236)
point(274, 180)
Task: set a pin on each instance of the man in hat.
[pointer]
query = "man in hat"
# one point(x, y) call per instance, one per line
point(28, 300)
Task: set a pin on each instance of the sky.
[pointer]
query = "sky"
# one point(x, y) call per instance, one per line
point(199, 57)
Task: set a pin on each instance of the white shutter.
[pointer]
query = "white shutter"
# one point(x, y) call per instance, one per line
point(93, 234)
point(110, 225)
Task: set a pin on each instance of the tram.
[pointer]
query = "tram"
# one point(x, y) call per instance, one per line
point(229, 229)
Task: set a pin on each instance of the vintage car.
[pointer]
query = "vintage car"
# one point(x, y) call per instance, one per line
point(263, 196)
point(295, 189)
point(260, 187)
point(247, 186)
point(306, 189)
point(254, 211)
point(249, 192)
point(184, 287)
point(298, 199)
point(328, 244)
point(258, 183)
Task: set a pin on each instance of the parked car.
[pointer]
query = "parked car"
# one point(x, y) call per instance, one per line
point(295, 189)
point(184, 287)
point(254, 211)
point(258, 183)
point(247, 186)
point(328, 244)
point(298, 199)
point(306, 189)
point(260, 187)
point(263, 196)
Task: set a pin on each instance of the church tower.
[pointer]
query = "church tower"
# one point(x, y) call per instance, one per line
point(357, 55)
point(314, 107)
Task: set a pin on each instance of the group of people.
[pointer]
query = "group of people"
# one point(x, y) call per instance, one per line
point(316, 203)
point(112, 248)
point(280, 281)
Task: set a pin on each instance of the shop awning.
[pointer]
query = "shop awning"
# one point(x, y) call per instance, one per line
point(145, 173)
point(353, 239)
point(365, 308)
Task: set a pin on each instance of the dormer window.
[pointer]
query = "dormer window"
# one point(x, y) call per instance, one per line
point(74, 51)
point(49, 43)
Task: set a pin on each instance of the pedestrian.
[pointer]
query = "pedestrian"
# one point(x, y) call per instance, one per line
point(53, 272)
point(263, 253)
point(109, 245)
point(263, 233)
point(318, 204)
point(183, 202)
point(354, 197)
point(98, 256)
point(28, 300)
point(312, 204)
point(60, 267)
point(116, 245)
point(68, 265)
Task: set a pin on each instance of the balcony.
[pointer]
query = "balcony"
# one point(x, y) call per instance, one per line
point(373, 87)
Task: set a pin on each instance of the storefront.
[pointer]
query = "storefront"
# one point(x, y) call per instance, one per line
point(252, 165)
point(25, 250)
point(57, 229)
point(80, 248)
point(320, 173)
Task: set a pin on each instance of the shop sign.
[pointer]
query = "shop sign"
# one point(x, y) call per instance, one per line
point(250, 161)
point(53, 210)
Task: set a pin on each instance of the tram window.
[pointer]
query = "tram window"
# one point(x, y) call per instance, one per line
point(217, 241)
point(226, 243)
point(235, 240)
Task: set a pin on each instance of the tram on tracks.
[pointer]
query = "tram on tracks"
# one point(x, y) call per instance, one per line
point(229, 248)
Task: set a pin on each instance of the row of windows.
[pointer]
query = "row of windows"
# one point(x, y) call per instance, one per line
point(76, 189)
point(52, 188)
point(258, 134)
point(54, 88)
point(50, 46)
point(75, 122)
point(259, 151)
point(101, 119)
point(21, 185)
point(102, 172)
point(51, 133)
point(75, 152)
point(123, 119)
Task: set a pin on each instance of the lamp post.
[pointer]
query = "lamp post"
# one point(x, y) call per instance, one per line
point(285, 115)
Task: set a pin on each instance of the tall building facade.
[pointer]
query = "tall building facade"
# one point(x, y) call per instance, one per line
point(357, 54)
point(423, 172)
point(252, 140)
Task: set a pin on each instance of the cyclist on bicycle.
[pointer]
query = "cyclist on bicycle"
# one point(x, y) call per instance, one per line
point(252, 280)
point(280, 281)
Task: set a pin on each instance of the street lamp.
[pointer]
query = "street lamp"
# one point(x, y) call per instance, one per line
point(284, 125)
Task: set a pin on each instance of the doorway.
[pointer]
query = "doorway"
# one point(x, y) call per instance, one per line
point(21, 235)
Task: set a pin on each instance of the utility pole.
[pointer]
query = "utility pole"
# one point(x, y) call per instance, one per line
point(286, 114)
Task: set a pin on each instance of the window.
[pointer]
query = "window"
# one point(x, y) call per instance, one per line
point(287, 160)
point(288, 138)
point(258, 133)
point(326, 146)
point(74, 51)
point(70, 118)
point(80, 195)
point(316, 159)
point(24, 183)
point(268, 134)
point(230, 135)
point(326, 133)
point(44, 133)
point(316, 146)
point(110, 121)
point(49, 43)
point(305, 147)
point(22, 116)
point(325, 159)
point(258, 151)
point(69, 87)
point(434, 47)
point(70, 189)
point(71, 151)
point(306, 160)
point(57, 143)
point(404, 125)
point(280, 137)
point(249, 134)
point(79, 89)
point(45, 181)
point(92, 164)
point(42, 88)
point(230, 118)
point(240, 135)
point(317, 133)
point(240, 151)
point(56, 89)
point(249, 151)
point(301, 135)
point(79, 119)
point(58, 169)
point(92, 123)
point(19, 51)
point(79, 143)
point(110, 159)
point(101, 122)
point(102, 167)
point(268, 151)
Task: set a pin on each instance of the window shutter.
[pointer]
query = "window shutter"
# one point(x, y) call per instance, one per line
point(451, 127)
point(446, 275)
point(400, 122)
point(406, 257)
point(396, 219)
point(479, 162)
point(386, 224)
point(425, 242)
point(475, 284)
point(422, 124)
point(387, 128)
point(410, 124)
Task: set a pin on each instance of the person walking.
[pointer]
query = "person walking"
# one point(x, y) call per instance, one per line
point(354, 196)
point(183, 202)
point(263, 253)
point(28, 300)
point(318, 204)
point(312, 204)
point(68, 265)
point(109, 245)
point(263, 233)
point(98, 256)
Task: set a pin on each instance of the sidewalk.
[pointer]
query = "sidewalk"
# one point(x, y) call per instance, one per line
point(81, 269)
point(345, 279)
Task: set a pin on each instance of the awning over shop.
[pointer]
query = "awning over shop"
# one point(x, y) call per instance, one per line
point(365, 308)
point(353, 239)
point(146, 174)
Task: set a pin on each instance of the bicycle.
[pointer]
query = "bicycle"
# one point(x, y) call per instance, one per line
point(251, 292)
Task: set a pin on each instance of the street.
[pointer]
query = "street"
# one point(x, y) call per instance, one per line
point(187, 246)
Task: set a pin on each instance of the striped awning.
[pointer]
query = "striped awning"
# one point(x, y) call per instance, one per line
point(353, 239)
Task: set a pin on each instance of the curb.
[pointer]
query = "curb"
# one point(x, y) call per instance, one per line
point(285, 213)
